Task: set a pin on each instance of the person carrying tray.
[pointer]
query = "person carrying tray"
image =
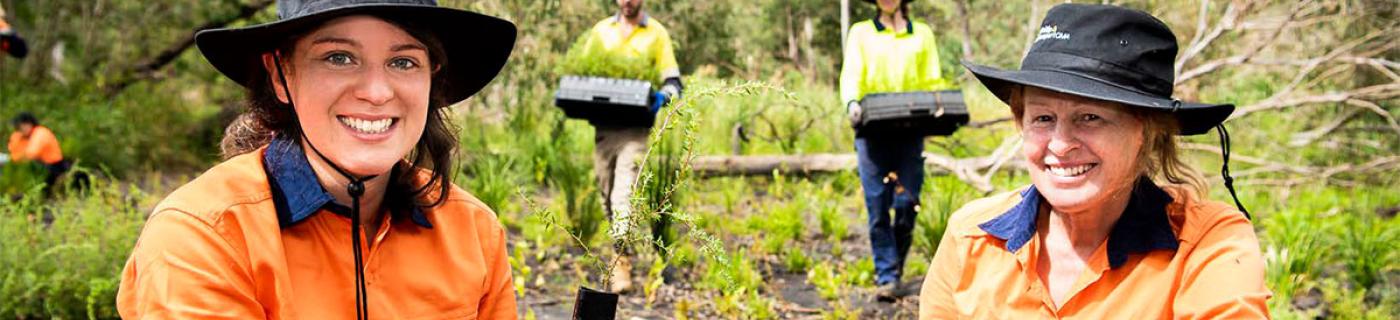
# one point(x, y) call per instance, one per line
point(889, 53)
point(629, 34)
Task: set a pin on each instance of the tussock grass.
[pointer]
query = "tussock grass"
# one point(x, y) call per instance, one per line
point(63, 258)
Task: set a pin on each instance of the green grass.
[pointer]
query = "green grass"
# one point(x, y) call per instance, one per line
point(69, 268)
point(19, 178)
point(534, 168)
point(1368, 247)
point(745, 95)
point(590, 58)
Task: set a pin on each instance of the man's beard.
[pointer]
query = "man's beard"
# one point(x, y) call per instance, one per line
point(631, 12)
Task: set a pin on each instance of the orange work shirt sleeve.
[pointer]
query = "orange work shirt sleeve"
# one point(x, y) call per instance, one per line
point(16, 146)
point(43, 146)
point(499, 302)
point(183, 268)
point(936, 296)
point(1224, 277)
point(935, 299)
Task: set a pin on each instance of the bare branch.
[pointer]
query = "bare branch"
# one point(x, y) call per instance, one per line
point(1276, 22)
point(1213, 65)
point(1381, 67)
point(988, 123)
point(146, 68)
point(1031, 27)
point(1373, 93)
point(1314, 63)
point(966, 29)
point(1302, 173)
point(1270, 165)
point(1012, 143)
point(1227, 21)
point(1354, 60)
point(1202, 22)
point(1375, 108)
point(1307, 137)
point(966, 169)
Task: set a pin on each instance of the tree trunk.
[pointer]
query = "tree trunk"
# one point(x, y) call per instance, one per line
point(845, 23)
point(1031, 27)
point(966, 29)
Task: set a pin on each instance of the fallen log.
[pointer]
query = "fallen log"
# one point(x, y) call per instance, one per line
point(766, 164)
point(966, 169)
point(823, 163)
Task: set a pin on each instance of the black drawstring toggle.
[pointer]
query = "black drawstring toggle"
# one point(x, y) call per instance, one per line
point(356, 188)
point(1225, 167)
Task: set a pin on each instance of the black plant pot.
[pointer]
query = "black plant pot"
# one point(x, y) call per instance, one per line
point(595, 305)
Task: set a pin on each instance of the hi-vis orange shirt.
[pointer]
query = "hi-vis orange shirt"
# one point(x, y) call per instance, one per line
point(1169, 256)
point(41, 145)
point(257, 238)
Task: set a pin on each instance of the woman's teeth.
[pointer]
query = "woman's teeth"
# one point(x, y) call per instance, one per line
point(1068, 171)
point(367, 126)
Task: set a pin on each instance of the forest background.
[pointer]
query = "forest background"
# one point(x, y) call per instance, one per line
point(753, 167)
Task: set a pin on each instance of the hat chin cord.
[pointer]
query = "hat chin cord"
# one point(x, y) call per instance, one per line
point(356, 189)
point(1225, 167)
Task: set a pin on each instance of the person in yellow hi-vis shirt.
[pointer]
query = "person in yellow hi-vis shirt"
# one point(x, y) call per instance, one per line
point(890, 53)
point(634, 35)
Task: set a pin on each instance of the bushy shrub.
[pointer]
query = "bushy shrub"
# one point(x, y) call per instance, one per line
point(63, 259)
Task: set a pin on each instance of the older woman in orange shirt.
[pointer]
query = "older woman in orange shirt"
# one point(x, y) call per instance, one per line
point(1114, 225)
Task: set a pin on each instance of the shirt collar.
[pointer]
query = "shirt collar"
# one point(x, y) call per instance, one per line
point(1143, 227)
point(617, 18)
point(297, 193)
point(880, 27)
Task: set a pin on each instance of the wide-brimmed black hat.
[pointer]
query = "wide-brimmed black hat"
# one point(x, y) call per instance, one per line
point(476, 45)
point(1107, 53)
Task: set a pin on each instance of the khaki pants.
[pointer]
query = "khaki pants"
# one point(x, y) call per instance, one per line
point(616, 154)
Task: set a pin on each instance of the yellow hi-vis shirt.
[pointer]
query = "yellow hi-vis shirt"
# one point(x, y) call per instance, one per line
point(880, 58)
point(649, 40)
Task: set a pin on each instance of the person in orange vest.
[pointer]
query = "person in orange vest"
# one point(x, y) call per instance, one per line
point(34, 142)
point(336, 198)
point(10, 41)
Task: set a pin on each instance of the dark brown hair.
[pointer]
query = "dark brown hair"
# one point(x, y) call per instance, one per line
point(266, 117)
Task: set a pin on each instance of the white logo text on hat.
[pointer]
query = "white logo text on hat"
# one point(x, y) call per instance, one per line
point(1051, 32)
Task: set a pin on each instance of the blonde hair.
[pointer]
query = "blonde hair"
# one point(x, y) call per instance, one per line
point(1159, 157)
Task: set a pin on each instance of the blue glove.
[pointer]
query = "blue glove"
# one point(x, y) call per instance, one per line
point(658, 100)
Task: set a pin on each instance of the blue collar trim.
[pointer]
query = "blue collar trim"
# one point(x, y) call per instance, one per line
point(1017, 225)
point(880, 27)
point(297, 193)
point(1143, 227)
point(618, 18)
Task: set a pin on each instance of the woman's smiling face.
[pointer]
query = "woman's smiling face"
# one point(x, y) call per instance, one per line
point(1082, 152)
point(361, 90)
